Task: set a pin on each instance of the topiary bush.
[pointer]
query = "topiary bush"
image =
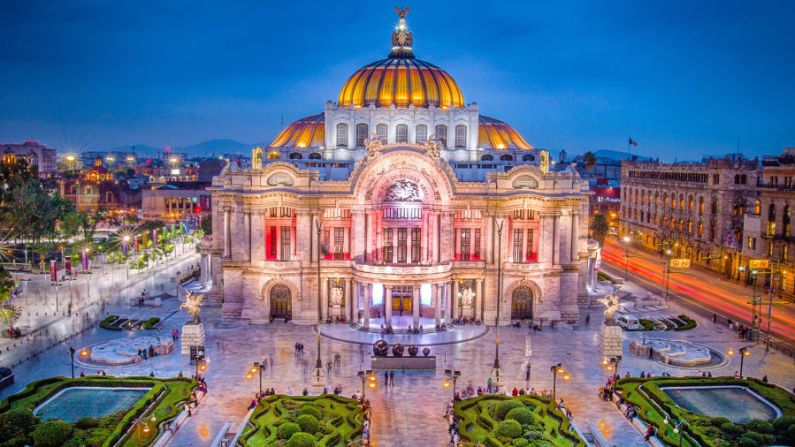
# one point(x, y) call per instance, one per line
point(509, 429)
point(520, 442)
point(287, 430)
point(308, 423)
point(16, 423)
point(502, 409)
point(301, 439)
point(51, 433)
point(310, 409)
point(522, 415)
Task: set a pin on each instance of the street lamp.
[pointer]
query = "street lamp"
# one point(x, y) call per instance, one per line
point(72, 358)
point(367, 376)
point(257, 368)
point(557, 369)
point(627, 241)
point(451, 376)
point(201, 363)
point(137, 423)
point(495, 371)
point(745, 351)
point(677, 429)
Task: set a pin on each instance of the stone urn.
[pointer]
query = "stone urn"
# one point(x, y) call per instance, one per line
point(413, 350)
point(397, 350)
point(380, 348)
point(426, 351)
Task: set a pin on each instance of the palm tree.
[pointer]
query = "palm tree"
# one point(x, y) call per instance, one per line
point(589, 160)
point(599, 227)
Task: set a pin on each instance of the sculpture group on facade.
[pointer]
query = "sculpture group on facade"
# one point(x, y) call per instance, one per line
point(192, 305)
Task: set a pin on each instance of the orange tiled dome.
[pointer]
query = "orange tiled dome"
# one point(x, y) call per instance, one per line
point(305, 132)
point(401, 81)
point(493, 133)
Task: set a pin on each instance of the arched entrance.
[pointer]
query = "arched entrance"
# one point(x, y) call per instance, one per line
point(281, 302)
point(522, 303)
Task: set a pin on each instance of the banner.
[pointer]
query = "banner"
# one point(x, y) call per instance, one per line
point(136, 244)
point(53, 271)
point(124, 248)
point(84, 259)
point(69, 265)
point(154, 238)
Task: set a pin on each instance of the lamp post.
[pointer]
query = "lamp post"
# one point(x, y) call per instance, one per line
point(495, 372)
point(138, 423)
point(366, 376)
point(125, 245)
point(745, 351)
point(72, 358)
point(201, 364)
point(451, 376)
point(557, 369)
point(319, 225)
point(614, 364)
point(258, 368)
point(627, 241)
point(677, 429)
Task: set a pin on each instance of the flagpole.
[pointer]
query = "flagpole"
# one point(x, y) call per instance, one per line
point(629, 148)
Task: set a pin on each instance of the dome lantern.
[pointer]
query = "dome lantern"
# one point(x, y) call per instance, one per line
point(402, 38)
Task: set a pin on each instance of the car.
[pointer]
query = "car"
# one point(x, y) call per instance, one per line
point(628, 321)
point(6, 377)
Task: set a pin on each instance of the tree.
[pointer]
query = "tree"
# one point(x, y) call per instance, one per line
point(207, 225)
point(9, 315)
point(599, 227)
point(7, 285)
point(589, 160)
point(89, 223)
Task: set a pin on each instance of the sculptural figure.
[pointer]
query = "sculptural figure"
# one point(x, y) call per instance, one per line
point(192, 305)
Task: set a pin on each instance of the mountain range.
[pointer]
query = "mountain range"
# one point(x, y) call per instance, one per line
point(205, 148)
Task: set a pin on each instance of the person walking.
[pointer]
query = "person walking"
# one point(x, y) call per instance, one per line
point(391, 379)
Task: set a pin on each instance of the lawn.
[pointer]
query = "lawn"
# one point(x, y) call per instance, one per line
point(654, 403)
point(304, 421)
point(497, 420)
point(162, 401)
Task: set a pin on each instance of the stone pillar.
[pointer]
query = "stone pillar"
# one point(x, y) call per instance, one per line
point(437, 303)
point(490, 235)
point(227, 233)
point(447, 237)
point(545, 244)
point(357, 234)
point(257, 238)
point(348, 297)
point(415, 305)
point(388, 305)
point(455, 309)
point(247, 233)
point(478, 299)
point(556, 239)
point(203, 267)
point(368, 293)
point(305, 239)
point(575, 235)
point(324, 282)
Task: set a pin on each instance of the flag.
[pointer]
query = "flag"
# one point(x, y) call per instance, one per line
point(53, 271)
point(632, 142)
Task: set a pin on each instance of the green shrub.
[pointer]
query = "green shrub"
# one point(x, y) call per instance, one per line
point(312, 410)
point(520, 442)
point(19, 441)
point(502, 409)
point(718, 421)
point(16, 422)
point(287, 430)
point(301, 440)
point(308, 423)
point(731, 429)
point(648, 325)
point(509, 429)
point(521, 415)
point(760, 426)
point(51, 433)
point(782, 423)
point(87, 423)
point(150, 323)
point(79, 439)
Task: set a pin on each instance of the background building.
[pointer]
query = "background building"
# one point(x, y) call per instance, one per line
point(38, 155)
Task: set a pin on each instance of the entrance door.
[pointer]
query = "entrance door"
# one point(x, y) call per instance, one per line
point(281, 302)
point(522, 304)
point(401, 300)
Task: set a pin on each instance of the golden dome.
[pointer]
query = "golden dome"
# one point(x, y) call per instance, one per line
point(401, 81)
point(305, 132)
point(496, 134)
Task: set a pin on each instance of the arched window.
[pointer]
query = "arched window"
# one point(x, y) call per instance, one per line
point(700, 229)
point(382, 132)
point(487, 157)
point(528, 157)
point(314, 156)
point(700, 205)
point(342, 135)
point(402, 133)
point(361, 134)
point(757, 207)
point(771, 212)
point(460, 136)
point(421, 134)
point(690, 203)
point(295, 156)
point(787, 221)
point(441, 134)
point(743, 179)
point(108, 197)
point(506, 157)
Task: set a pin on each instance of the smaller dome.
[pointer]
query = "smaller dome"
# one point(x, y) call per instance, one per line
point(305, 132)
point(496, 134)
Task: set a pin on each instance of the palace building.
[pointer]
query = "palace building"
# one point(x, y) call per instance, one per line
point(399, 204)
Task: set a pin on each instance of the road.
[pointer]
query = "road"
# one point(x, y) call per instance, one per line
point(711, 291)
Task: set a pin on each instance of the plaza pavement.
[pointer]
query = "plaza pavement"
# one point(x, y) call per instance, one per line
point(411, 411)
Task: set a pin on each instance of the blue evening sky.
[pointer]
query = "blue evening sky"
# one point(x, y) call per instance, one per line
point(683, 78)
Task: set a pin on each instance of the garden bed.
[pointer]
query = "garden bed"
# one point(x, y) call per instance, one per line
point(116, 323)
point(162, 401)
point(654, 404)
point(304, 421)
point(497, 420)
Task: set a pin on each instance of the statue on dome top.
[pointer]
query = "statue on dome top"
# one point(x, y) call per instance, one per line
point(402, 12)
point(401, 36)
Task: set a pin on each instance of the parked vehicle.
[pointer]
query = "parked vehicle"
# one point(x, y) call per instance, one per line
point(628, 321)
point(6, 377)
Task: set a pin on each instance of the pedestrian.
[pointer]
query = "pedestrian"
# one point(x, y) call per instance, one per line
point(651, 353)
point(392, 379)
point(715, 318)
point(764, 378)
point(649, 432)
point(386, 378)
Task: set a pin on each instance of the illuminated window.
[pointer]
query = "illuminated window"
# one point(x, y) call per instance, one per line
point(402, 133)
point(416, 237)
point(465, 243)
point(388, 247)
point(518, 243)
point(460, 136)
point(342, 135)
point(382, 132)
point(339, 242)
point(422, 134)
point(361, 134)
point(787, 221)
point(402, 244)
point(285, 241)
point(441, 134)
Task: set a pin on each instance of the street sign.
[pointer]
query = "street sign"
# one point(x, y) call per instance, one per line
point(759, 264)
point(680, 263)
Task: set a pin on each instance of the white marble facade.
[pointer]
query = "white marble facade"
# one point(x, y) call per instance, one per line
point(401, 234)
